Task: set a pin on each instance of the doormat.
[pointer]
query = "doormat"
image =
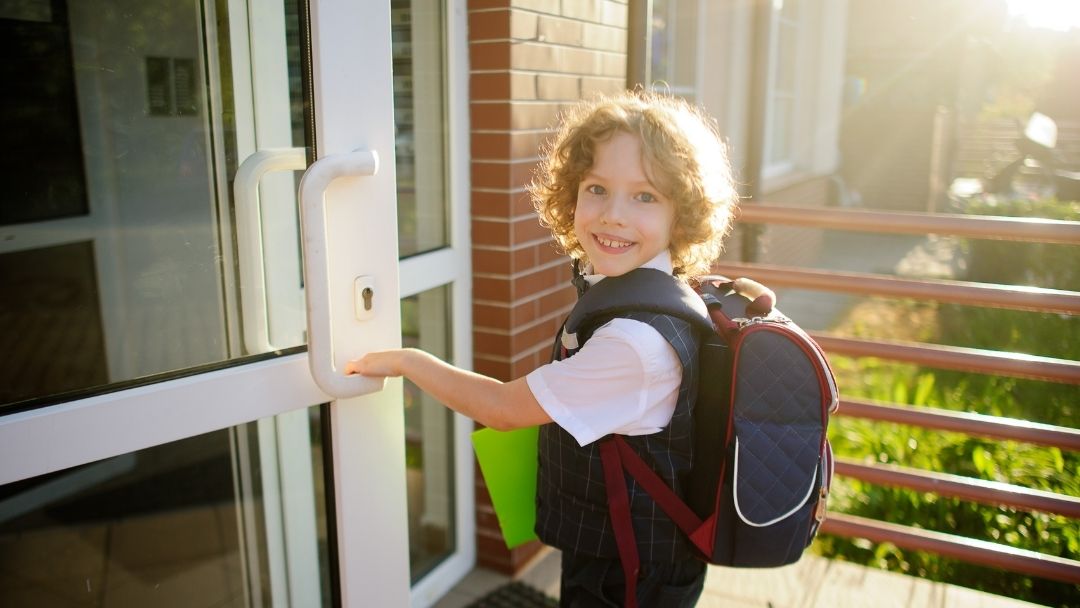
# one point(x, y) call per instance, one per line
point(515, 595)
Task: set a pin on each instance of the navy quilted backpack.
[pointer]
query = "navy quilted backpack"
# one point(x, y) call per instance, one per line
point(755, 495)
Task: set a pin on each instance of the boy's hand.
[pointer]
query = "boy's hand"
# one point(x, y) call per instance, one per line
point(378, 364)
point(502, 406)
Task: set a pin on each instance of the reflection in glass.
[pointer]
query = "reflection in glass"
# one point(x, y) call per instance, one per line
point(429, 438)
point(124, 126)
point(183, 524)
point(420, 119)
point(41, 159)
point(51, 337)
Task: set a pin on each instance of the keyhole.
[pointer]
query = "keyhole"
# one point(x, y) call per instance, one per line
point(367, 294)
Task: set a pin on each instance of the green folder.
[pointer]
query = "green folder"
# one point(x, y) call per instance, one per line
point(508, 463)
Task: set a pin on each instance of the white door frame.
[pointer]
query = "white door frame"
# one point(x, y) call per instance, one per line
point(448, 265)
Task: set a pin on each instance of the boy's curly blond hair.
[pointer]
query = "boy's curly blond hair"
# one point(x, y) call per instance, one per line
point(683, 156)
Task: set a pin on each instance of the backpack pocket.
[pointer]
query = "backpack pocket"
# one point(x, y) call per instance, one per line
point(770, 504)
point(774, 494)
point(777, 461)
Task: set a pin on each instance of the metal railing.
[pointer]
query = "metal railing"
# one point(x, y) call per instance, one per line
point(947, 357)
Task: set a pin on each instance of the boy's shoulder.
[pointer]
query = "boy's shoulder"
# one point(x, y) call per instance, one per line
point(643, 290)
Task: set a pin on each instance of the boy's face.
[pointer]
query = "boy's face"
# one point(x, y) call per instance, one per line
point(621, 219)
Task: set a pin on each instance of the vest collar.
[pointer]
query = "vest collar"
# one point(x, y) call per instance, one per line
point(584, 280)
point(662, 261)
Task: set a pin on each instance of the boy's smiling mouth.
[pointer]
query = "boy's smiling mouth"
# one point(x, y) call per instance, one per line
point(612, 243)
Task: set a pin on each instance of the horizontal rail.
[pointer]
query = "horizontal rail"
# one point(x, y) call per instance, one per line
point(971, 226)
point(964, 422)
point(957, 358)
point(959, 547)
point(958, 292)
point(946, 357)
point(977, 490)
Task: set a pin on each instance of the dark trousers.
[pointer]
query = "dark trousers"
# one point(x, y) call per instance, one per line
point(592, 582)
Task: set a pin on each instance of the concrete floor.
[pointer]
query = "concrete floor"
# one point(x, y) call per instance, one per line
point(813, 582)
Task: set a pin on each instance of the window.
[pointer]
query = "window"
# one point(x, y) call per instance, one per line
point(807, 40)
point(784, 87)
point(674, 47)
point(705, 51)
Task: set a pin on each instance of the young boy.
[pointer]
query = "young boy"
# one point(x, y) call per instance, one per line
point(633, 180)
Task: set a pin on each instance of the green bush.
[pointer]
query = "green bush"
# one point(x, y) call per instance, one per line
point(1047, 335)
point(1015, 263)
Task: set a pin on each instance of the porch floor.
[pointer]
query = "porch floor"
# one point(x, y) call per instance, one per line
point(813, 582)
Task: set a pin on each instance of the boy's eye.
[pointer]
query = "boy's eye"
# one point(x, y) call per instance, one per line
point(595, 189)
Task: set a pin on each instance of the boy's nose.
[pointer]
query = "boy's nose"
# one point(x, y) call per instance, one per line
point(614, 209)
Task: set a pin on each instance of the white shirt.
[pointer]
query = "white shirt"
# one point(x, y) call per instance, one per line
point(624, 380)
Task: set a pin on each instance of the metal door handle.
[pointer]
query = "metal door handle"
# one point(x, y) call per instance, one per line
point(313, 185)
point(253, 301)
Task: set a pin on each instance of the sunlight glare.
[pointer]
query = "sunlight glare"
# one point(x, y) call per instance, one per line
point(1061, 15)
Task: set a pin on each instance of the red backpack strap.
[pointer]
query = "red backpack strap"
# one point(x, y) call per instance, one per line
point(617, 455)
point(666, 498)
point(621, 524)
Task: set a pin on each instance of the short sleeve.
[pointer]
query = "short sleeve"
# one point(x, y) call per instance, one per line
point(625, 380)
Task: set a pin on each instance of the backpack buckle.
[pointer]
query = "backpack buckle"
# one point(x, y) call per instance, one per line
point(569, 341)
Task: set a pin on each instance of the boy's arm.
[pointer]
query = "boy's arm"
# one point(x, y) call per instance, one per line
point(500, 405)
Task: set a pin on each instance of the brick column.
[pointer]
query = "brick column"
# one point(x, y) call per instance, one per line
point(528, 58)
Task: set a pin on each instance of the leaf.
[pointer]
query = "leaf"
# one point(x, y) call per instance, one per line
point(923, 389)
point(1059, 459)
point(981, 460)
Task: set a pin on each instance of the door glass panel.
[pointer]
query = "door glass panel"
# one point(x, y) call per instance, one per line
point(420, 117)
point(49, 305)
point(43, 174)
point(181, 524)
point(429, 438)
point(418, 38)
point(125, 123)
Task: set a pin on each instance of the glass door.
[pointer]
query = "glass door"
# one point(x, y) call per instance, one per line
point(162, 440)
point(431, 118)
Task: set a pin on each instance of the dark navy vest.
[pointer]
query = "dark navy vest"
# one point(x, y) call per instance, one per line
point(571, 501)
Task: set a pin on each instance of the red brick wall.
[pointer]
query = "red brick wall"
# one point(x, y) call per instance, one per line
point(528, 58)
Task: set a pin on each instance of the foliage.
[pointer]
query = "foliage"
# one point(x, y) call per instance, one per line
point(1042, 334)
point(1012, 263)
point(1024, 465)
point(414, 455)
